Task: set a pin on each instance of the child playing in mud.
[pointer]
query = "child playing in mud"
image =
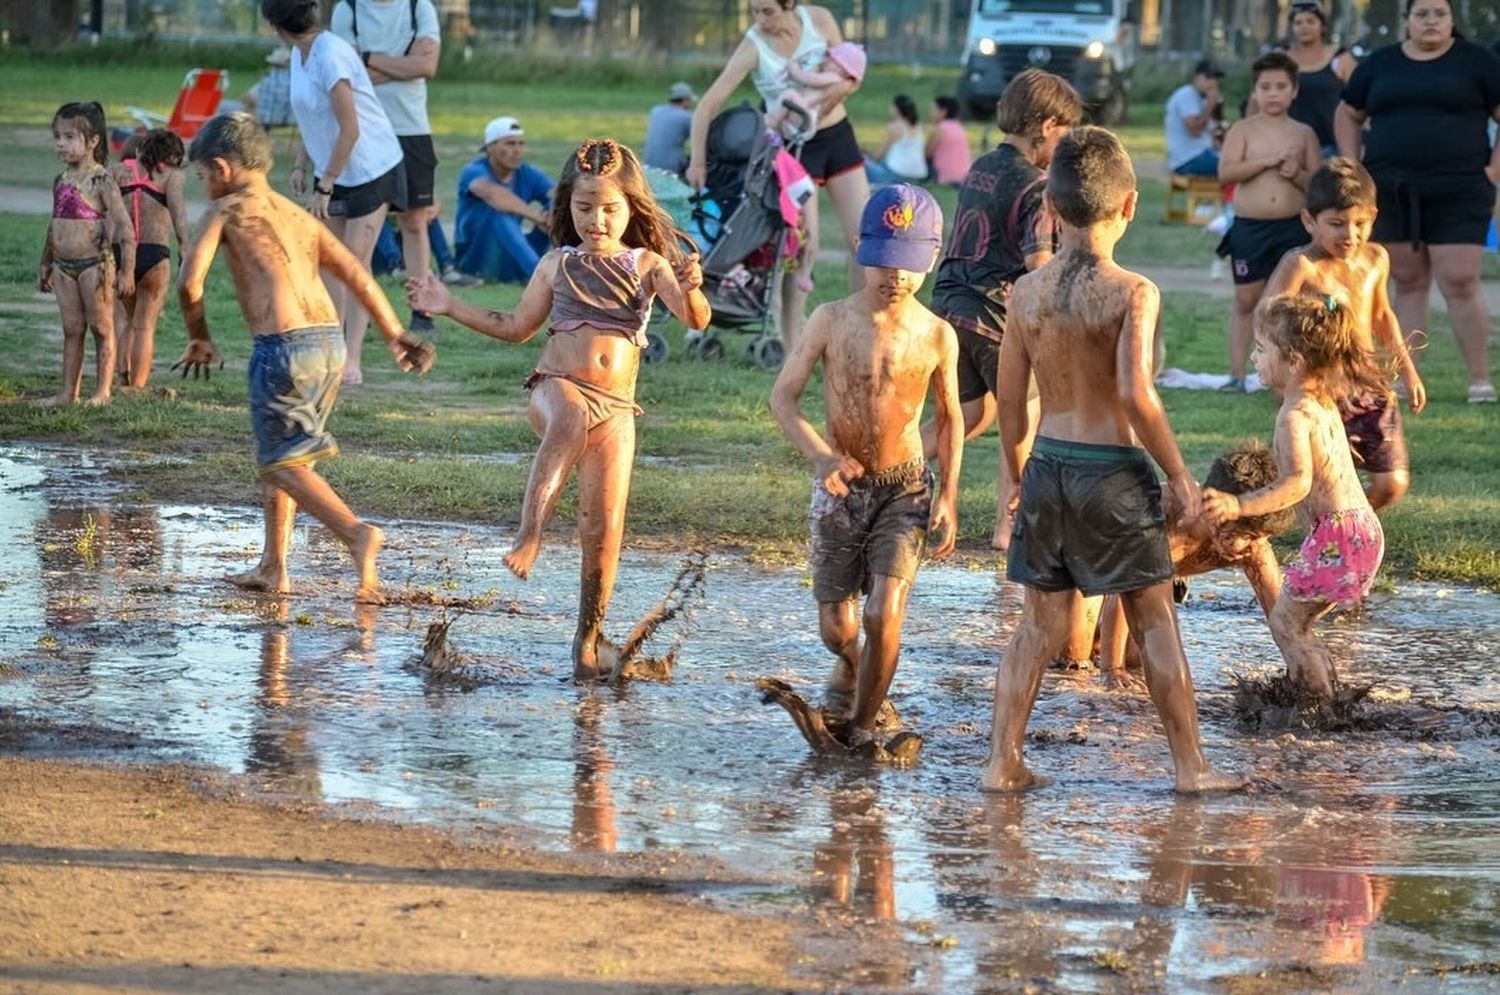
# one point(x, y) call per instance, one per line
point(1309, 350)
point(275, 251)
point(151, 181)
point(77, 263)
point(1090, 516)
point(872, 495)
point(1342, 261)
point(1270, 157)
point(1198, 547)
point(594, 292)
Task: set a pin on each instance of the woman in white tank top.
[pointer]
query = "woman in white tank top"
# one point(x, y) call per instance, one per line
point(903, 157)
point(785, 30)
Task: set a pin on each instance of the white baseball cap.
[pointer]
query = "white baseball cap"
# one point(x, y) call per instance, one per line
point(501, 127)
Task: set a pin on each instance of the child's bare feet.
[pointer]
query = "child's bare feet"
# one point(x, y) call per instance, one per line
point(1021, 779)
point(99, 400)
point(522, 556)
point(364, 548)
point(262, 578)
point(585, 658)
point(1209, 779)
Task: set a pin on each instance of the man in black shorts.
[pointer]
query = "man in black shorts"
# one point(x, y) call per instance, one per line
point(1001, 229)
point(399, 42)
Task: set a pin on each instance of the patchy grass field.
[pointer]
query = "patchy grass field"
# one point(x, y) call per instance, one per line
point(713, 467)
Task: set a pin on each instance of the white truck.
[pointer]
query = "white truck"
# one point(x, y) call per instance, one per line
point(1090, 43)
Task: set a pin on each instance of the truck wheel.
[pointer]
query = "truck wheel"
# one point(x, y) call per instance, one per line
point(1113, 111)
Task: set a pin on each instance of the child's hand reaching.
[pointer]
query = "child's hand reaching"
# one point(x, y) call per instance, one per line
point(412, 354)
point(689, 273)
point(44, 278)
point(1182, 498)
point(1416, 391)
point(836, 470)
point(944, 519)
point(427, 293)
point(1219, 507)
point(125, 281)
point(199, 357)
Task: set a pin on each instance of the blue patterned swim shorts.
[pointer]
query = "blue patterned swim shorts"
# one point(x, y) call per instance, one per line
point(294, 379)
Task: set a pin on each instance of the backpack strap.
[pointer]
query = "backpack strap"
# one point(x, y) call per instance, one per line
point(354, 24)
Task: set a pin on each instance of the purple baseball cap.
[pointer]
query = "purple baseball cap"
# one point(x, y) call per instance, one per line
point(901, 228)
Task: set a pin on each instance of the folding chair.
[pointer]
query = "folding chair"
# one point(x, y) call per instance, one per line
point(198, 100)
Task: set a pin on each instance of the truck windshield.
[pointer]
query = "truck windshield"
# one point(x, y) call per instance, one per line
point(1086, 7)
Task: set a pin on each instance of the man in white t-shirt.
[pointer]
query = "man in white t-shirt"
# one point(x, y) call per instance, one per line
point(399, 42)
point(1189, 123)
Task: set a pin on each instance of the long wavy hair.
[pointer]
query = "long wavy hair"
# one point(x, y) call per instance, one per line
point(1320, 332)
point(649, 227)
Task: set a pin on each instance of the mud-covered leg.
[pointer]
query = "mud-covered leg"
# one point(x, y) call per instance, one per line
point(138, 348)
point(310, 491)
point(884, 614)
point(838, 624)
point(560, 420)
point(74, 328)
point(603, 490)
point(97, 291)
point(1153, 621)
point(1308, 662)
point(1040, 634)
point(270, 574)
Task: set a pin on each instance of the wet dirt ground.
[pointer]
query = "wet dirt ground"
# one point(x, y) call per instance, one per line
point(1372, 865)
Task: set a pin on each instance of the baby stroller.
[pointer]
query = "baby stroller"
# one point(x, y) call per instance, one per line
point(739, 220)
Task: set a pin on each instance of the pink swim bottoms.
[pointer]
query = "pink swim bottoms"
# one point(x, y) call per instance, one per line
point(1338, 559)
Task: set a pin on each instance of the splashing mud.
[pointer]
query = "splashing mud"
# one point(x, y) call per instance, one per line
point(1373, 869)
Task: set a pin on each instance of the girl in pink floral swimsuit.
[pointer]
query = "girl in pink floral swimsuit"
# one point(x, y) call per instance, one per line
point(1306, 348)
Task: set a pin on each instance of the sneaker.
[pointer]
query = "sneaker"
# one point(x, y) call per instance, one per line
point(1481, 393)
point(421, 321)
point(1234, 386)
point(456, 278)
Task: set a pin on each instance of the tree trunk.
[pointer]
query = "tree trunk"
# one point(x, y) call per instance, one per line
point(42, 25)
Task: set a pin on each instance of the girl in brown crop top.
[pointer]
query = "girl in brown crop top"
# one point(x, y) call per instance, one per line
point(617, 251)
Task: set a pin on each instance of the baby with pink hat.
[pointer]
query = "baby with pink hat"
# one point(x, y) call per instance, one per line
point(814, 92)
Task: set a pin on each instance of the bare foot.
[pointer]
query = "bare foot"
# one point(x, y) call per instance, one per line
point(262, 578)
point(585, 657)
point(1209, 779)
point(996, 780)
point(522, 555)
point(1123, 680)
point(353, 376)
point(56, 401)
point(99, 399)
point(1001, 539)
point(366, 545)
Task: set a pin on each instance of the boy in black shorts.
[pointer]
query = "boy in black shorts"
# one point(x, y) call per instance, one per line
point(1270, 157)
point(1091, 516)
point(873, 500)
point(1001, 229)
point(1344, 263)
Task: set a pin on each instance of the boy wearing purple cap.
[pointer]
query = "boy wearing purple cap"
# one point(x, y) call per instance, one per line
point(872, 494)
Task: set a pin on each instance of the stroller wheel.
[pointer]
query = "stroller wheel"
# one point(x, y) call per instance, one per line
point(752, 351)
point(656, 348)
point(712, 348)
point(769, 353)
point(692, 341)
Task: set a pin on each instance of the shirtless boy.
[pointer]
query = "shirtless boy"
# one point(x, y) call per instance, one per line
point(275, 251)
point(1343, 262)
point(872, 500)
point(1270, 157)
point(1198, 547)
point(1090, 517)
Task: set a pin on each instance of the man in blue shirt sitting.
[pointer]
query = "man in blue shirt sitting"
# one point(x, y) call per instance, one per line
point(497, 193)
point(667, 130)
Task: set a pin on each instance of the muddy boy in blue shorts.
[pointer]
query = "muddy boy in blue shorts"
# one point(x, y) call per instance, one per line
point(1090, 517)
point(872, 501)
point(275, 251)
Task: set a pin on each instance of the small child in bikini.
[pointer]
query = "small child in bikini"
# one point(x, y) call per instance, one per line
point(1308, 349)
point(151, 181)
point(594, 293)
point(77, 264)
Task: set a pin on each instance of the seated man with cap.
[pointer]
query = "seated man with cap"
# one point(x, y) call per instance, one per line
point(1190, 122)
point(498, 193)
point(667, 130)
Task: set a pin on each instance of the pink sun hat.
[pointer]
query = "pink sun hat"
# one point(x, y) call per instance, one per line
point(850, 58)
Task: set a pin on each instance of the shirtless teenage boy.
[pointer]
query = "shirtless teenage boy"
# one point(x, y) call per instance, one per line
point(872, 501)
point(275, 250)
point(1090, 515)
point(1342, 261)
point(1270, 157)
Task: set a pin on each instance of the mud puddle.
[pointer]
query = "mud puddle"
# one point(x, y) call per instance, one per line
point(1374, 866)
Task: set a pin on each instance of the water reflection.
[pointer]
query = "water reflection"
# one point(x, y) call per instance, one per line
point(593, 823)
point(280, 742)
point(855, 868)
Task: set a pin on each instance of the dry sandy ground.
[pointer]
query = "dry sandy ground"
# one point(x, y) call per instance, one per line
point(118, 879)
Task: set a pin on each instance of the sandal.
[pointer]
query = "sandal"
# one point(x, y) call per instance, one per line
point(1481, 393)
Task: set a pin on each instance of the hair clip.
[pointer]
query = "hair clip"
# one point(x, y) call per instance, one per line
point(1331, 302)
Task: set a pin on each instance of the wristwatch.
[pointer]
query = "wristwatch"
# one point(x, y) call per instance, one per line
point(319, 188)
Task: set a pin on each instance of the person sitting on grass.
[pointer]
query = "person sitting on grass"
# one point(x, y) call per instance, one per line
point(1199, 547)
point(276, 250)
point(497, 192)
point(1307, 348)
point(872, 494)
point(594, 293)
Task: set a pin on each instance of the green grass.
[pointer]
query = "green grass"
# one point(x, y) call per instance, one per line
point(713, 466)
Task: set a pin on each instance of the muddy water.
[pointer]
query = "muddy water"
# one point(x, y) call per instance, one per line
point(1375, 865)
